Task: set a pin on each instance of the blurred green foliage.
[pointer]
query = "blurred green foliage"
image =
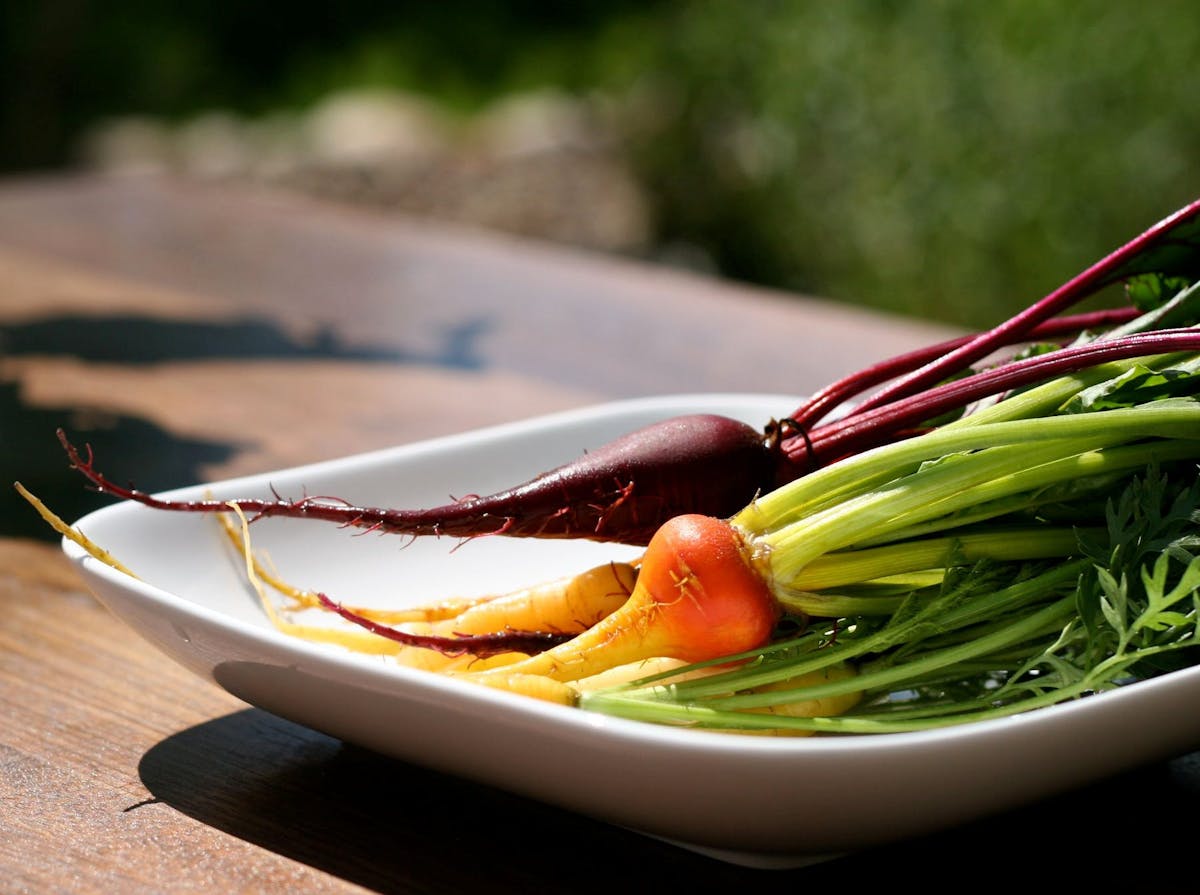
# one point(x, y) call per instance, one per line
point(953, 160)
point(950, 160)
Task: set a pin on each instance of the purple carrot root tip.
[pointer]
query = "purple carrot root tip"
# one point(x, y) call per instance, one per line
point(481, 646)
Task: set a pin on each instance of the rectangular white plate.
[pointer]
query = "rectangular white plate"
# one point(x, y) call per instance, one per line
point(771, 802)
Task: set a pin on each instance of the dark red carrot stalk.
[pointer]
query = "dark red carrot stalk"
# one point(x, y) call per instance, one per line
point(880, 425)
point(1156, 249)
point(1169, 247)
point(837, 393)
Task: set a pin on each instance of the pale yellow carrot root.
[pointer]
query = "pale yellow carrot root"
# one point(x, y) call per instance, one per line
point(807, 708)
point(632, 671)
point(432, 660)
point(570, 604)
point(355, 639)
point(534, 685)
point(73, 534)
point(306, 599)
point(588, 597)
point(565, 605)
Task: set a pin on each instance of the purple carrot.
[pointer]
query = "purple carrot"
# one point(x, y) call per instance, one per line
point(622, 491)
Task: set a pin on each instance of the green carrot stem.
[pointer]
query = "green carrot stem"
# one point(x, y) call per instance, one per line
point(863, 472)
point(825, 604)
point(703, 715)
point(915, 496)
point(879, 596)
point(934, 618)
point(840, 569)
point(944, 488)
point(1024, 628)
point(1045, 400)
point(632, 705)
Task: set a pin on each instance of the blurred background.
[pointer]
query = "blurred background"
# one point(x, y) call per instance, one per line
point(947, 160)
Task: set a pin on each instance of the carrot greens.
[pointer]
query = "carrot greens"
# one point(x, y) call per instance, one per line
point(973, 647)
point(1065, 563)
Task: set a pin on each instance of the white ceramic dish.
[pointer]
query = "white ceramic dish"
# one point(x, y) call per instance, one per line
point(753, 801)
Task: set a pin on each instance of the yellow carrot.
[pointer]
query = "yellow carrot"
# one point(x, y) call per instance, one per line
point(699, 595)
point(573, 603)
point(473, 639)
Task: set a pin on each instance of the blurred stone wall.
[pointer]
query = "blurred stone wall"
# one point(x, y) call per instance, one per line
point(544, 165)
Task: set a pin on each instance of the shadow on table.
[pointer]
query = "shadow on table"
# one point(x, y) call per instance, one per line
point(139, 339)
point(30, 453)
point(392, 827)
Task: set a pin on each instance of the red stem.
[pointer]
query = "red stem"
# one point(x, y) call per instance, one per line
point(879, 425)
point(823, 402)
point(1109, 269)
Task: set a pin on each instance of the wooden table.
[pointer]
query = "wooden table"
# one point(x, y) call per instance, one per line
point(194, 333)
